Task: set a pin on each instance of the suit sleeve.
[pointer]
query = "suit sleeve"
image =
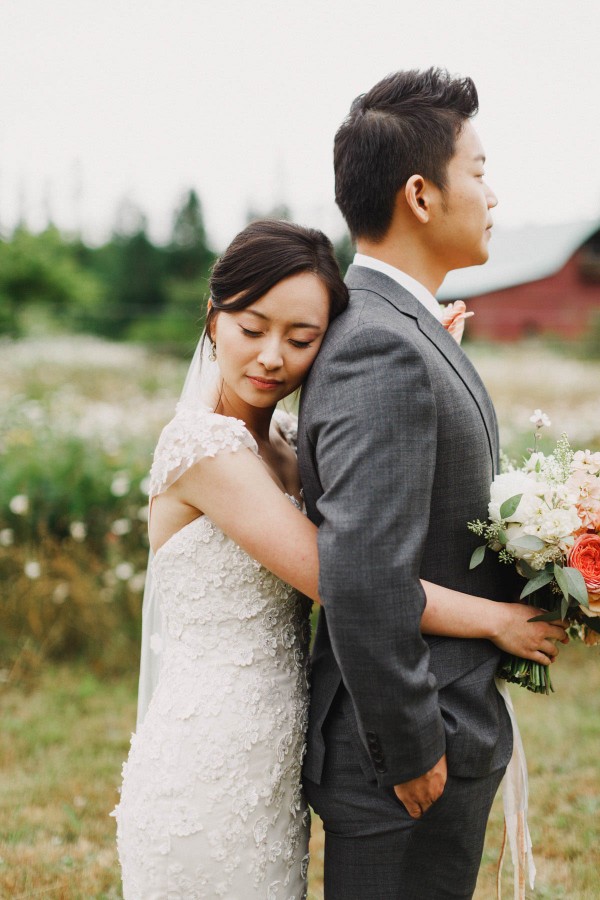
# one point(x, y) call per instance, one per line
point(374, 438)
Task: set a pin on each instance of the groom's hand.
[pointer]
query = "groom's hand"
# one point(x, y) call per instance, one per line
point(420, 793)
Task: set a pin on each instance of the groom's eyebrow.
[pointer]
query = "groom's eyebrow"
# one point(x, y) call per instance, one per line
point(293, 325)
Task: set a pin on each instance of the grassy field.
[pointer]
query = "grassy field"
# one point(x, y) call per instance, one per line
point(64, 729)
point(62, 745)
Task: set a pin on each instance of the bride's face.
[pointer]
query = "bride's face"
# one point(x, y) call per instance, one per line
point(265, 351)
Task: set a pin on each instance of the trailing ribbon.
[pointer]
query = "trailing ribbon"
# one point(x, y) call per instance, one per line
point(515, 797)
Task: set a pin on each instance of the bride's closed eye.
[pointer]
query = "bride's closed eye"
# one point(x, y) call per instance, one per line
point(301, 345)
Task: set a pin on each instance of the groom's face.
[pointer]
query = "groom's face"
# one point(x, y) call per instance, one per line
point(463, 222)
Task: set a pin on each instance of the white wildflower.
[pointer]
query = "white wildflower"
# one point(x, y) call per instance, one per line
point(7, 537)
point(120, 485)
point(136, 582)
point(143, 513)
point(540, 419)
point(32, 569)
point(19, 505)
point(78, 531)
point(120, 527)
point(60, 593)
point(145, 485)
point(124, 571)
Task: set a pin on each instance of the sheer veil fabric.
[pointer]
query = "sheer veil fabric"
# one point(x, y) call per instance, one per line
point(201, 388)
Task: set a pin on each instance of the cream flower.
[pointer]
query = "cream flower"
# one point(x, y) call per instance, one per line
point(508, 485)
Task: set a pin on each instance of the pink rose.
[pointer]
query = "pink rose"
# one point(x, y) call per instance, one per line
point(585, 488)
point(585, 556)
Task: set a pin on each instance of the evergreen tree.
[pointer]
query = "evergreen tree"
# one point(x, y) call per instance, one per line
point(189, 256)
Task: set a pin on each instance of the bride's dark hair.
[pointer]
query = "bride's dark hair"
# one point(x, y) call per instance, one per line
point(262, 255)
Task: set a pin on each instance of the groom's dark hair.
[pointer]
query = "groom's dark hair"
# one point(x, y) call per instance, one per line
point(406, 125)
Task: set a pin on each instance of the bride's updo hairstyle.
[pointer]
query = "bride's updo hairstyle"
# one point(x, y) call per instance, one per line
point(262, 255)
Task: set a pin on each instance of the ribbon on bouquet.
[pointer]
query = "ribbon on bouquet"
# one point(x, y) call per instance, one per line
point(515, 798)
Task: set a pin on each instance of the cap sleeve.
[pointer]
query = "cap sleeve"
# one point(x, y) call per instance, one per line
point(193, 433)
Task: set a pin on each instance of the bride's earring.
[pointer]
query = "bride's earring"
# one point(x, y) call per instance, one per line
point(212, 356)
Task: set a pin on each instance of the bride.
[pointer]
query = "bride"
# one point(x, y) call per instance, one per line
point(211, 801)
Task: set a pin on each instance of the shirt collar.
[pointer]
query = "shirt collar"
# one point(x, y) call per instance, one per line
point(410, 284)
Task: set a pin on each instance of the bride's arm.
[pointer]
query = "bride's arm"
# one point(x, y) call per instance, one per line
point(454, 614)
point(236, 492)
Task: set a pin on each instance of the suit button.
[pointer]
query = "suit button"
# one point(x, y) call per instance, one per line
point(370, 736)
point(380, 769)
point(377, 758)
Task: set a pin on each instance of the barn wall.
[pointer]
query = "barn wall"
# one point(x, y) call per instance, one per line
point(561, 304)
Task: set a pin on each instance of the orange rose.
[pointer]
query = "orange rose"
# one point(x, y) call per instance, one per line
point(585, 556)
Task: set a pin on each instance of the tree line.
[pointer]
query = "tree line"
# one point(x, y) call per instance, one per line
point(129, 288)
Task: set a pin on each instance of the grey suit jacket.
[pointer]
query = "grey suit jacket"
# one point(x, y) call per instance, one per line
point(397, 448)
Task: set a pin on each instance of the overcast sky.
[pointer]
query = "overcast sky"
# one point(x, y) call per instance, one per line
point(106, 99)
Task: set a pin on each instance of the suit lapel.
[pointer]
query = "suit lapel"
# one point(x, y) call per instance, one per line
point(361, 278)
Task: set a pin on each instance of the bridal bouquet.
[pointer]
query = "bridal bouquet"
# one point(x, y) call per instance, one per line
point(544, 518)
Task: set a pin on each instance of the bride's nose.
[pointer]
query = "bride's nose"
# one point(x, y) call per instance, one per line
point(270, 355)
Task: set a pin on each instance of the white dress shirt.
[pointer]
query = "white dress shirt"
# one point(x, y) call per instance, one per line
point(409, 283)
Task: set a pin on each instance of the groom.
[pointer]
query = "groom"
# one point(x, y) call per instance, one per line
point(408, 737)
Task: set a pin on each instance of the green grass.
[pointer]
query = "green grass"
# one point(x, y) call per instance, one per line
point(64, 736)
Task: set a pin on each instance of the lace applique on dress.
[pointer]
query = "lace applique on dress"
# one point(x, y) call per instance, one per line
point(193, 433)
point(211, 803)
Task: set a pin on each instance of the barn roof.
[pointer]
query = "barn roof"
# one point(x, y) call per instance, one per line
point(517, 256)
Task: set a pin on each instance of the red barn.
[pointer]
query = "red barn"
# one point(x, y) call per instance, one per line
point(542, 280)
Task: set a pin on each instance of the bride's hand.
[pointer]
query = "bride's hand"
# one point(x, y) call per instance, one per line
point(515, 633)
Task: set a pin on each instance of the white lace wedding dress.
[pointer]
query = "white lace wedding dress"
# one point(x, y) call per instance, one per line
point(211, 803)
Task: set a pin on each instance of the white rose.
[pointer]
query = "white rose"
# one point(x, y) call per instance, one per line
point(514, 533)
point(508, 485)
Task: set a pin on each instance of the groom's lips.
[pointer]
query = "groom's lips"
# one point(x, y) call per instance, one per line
point(264, 384)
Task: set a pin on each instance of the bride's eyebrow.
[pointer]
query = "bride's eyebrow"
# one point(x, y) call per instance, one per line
point(292, 325)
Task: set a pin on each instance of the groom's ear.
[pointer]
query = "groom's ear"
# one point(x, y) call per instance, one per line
point(417, 193)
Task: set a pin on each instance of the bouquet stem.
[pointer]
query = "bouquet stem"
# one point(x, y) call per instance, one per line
point(527, 674)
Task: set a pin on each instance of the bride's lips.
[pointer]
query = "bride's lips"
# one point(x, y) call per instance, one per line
point(264, 384)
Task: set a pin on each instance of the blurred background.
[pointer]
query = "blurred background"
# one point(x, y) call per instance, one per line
point(136, 138)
